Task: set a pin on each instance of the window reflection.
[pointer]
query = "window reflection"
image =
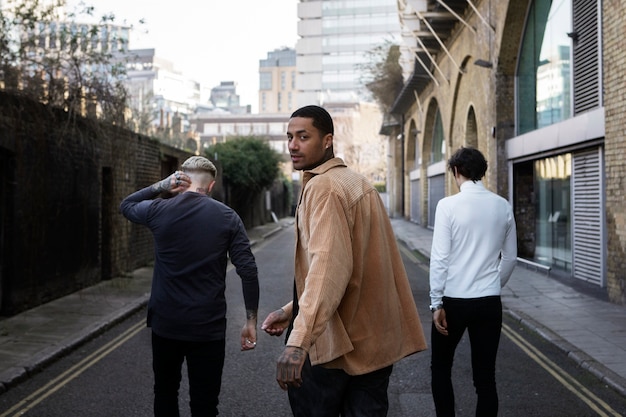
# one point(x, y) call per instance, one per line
point(553, 221)
point(543, 75)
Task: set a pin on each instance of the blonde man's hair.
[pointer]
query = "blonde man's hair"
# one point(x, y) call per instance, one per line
point(198, 167)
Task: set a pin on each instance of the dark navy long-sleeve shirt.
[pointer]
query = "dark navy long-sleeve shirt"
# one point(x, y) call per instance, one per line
point(193, 237)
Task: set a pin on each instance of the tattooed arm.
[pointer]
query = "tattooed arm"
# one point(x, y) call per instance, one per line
point(175, 183)
point(248, 333)
point(289, 367)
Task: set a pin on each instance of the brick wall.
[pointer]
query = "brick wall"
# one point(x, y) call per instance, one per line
point(62, 181)
point(614, 61)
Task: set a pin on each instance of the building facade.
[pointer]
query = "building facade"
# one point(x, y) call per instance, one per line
point(534, 85)
point(213, 128)
point(335, 45)
point(335, 38)
point(277, 82)
point(160, 97)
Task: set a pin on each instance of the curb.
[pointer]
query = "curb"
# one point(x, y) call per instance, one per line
point(15, 375)
point(582, 359)
point(35, 364)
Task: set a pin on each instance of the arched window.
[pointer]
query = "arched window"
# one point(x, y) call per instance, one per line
point(471, 132)
point(544, 95)
point(438, 151)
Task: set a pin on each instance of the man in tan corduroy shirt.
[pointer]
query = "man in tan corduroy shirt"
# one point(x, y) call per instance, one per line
point(353, 314)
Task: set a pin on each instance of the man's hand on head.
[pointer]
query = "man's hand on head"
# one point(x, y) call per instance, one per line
point(178, 182)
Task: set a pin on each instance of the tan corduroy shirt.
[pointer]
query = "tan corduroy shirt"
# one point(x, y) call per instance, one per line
point(357, 311)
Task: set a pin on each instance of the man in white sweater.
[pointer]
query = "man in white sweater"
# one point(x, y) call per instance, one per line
point(473, 255)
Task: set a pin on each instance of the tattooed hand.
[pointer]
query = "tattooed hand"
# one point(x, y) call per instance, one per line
point(175, 183)
point(289, 367)
point(248, 333)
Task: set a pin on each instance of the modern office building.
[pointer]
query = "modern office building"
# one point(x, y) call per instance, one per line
point(538, 87)
point(277, 82)
point(160, 97)
point(336, 41)
point(224, 97)
point(335, 38)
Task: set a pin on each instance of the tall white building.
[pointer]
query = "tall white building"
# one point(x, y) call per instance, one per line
point(335, 37)
point(160, 96)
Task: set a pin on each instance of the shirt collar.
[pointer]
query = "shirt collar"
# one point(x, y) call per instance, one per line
point(323, 168)
point(471, 185)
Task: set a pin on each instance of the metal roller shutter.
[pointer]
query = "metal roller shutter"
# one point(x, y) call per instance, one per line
point(588, 216)
point(416, 203)
point(436, 191)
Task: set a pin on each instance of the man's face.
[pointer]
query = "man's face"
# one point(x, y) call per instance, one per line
point(307, 147)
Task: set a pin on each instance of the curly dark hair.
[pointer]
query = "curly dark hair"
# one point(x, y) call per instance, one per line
point(468, 162)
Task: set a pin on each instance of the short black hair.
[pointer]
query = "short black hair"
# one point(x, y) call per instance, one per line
point(321, 118)
point(469, 162)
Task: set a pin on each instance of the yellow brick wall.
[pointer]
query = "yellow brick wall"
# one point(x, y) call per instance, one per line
point(614, 63)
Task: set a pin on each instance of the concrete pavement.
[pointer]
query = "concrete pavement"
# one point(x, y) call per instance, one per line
point(575, 318)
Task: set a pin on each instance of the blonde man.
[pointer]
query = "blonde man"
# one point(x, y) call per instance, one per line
point(194, 236)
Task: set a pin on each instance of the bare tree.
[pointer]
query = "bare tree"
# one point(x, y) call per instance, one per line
point(382, 74)
point(47, 54)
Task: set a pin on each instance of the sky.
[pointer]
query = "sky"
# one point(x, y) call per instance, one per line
point(209, 40)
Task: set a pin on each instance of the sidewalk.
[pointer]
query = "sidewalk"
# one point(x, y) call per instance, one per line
point(591, 331)
point(35, 338)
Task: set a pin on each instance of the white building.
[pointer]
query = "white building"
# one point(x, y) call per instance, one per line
point(335, 38)
point(160, 96)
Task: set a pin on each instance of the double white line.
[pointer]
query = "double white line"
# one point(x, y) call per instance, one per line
point(596, 404)
point(63, 379)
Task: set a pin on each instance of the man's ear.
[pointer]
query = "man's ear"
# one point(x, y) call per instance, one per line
point(211, 184)
point(328, 140)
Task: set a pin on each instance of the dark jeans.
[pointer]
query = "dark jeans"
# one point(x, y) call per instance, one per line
point(482, 317)
point(332, 392)
point(205, 361)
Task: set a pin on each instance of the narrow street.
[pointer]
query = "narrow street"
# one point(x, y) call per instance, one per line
point(112, 376)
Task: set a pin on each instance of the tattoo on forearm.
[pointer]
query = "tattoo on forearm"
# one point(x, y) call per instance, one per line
point(251, 314)
point(161, 185)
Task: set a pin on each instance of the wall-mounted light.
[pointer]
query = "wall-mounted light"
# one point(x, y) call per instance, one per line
point(483, 63)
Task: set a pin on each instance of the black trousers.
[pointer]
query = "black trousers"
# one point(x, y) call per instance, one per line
point(205, 361)
point(332, 393)
point(482, 317)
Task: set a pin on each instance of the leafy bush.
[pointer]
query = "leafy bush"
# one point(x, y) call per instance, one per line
point(381, 187)
point(249, 164)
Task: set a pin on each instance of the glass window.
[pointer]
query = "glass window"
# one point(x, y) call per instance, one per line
point(438, 151)
point(265, 81)
point(543, 74)
point(260, 128)
point(227, 128)
point(277, 128)
point(553, 221)
point(542, 203)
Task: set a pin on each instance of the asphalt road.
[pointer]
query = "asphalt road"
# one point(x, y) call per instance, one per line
point(111, 375)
